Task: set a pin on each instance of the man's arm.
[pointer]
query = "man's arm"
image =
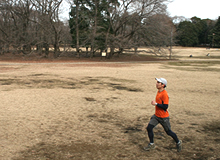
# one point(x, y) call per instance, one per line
point(163, 106)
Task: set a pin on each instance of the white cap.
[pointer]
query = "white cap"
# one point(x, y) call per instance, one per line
point(162, 80)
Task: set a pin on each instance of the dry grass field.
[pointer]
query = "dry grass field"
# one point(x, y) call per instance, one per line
point(98, 110)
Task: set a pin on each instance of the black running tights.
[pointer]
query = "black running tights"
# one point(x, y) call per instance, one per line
point(151, 134)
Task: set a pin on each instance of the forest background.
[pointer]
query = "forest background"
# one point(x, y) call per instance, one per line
point(34, 27)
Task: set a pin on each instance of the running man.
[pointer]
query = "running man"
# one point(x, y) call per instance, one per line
point(161, 115)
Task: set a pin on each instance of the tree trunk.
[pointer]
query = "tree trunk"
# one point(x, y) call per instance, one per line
point(135, 50)
point(171, 43)
point(87, 50)
point(94, 30)
point(77, 28)
point(46, 47)
point(111, 52)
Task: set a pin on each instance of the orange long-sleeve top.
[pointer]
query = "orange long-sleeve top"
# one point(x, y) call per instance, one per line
point(162, 100)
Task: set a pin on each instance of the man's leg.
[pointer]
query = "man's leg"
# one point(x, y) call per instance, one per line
point(165, 122)
point(153, 122)
point(173, 135)
point(150, 133)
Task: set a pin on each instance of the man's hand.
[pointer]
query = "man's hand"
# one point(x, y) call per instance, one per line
point(153, 103)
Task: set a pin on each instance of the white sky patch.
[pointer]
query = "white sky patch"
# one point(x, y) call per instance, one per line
point(200, 8)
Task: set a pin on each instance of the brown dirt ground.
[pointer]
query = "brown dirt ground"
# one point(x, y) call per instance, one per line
point(9, 57)
point(97, 110)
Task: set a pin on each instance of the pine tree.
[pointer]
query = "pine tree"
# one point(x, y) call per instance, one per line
point(216, 34)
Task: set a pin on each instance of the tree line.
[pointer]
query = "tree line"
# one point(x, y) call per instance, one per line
point(118, 25)
point(198, 32)
point(112, 26)
point(29, 26)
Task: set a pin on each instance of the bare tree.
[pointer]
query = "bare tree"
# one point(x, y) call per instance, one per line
point(5, 24)
point(50, 22)
point(16, 16)
point(26, 23)
point(129, 19)
point(158, 34)
point(94, 28)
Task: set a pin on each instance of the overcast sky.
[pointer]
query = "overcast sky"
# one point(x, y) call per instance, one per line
point(200, 8)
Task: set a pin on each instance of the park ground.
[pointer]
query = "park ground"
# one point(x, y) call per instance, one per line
point(68, 109)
